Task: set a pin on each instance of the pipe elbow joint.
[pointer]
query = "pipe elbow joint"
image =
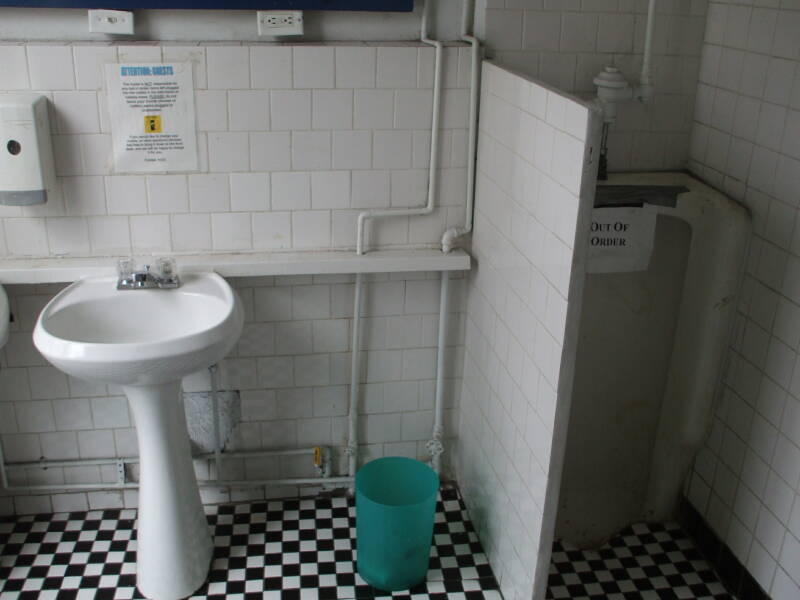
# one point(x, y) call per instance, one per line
point(450, 239)
point(645, 91)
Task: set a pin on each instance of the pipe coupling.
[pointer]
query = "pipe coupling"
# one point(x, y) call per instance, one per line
point(434, 447)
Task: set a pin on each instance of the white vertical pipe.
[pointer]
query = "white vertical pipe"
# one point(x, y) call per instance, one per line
point(645, 79)
point(465, 6)
point(433, 171)
point(3, 475)
point(213, 369)
point(449, 237)
point(435, 446)
point(433, 163)
point(355, 377)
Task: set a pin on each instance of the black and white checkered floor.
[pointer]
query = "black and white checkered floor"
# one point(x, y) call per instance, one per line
point(644, 561)
point(284, 549)
point(306, 549)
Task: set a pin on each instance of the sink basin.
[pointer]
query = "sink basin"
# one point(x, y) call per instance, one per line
point(91, 330)
point(146, 341)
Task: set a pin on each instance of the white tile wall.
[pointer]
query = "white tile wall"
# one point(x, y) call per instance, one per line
point(565, 44)
point(744, 140)
point(273, 135)
point(291, 367)
point(517, 369)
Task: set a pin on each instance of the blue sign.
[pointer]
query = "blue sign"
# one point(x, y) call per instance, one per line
point(365, 5)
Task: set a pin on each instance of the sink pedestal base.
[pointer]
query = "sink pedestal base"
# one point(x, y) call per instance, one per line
point(174, 545)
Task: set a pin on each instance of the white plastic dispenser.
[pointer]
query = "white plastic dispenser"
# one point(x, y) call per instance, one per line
point(27, 168)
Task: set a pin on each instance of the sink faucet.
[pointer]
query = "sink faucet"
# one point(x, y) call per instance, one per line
point(131, 278)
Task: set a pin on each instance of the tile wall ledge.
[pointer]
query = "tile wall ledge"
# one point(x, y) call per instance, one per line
point(229, 43)
point(251, 264)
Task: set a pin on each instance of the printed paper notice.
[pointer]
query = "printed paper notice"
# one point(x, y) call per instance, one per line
point(621, 239)
point(152, 117)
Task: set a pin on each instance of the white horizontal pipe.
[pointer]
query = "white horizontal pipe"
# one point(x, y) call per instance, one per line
point(77, 462)
point(260, 453)
point(132, 460)
point(54, 464)
point(63, 487)
point(285, 481)
point(68, 487)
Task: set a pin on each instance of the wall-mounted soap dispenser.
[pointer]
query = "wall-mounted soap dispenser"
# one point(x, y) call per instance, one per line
point(27, 169)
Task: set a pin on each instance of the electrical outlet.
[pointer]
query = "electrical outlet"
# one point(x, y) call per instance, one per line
point(280, 22)
point(119, 22)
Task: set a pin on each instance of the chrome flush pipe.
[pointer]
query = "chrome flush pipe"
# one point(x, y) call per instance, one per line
point(613, 88)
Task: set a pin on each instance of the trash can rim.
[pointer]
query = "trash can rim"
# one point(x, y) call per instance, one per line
point(424, 469)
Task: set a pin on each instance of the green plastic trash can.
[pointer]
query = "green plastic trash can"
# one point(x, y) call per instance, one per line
point(395, 509)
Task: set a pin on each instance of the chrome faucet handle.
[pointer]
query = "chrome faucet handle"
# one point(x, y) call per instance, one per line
point(167, 272)
point(165, 267)
point(125, 268)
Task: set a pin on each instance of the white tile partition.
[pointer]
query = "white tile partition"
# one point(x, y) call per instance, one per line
point(565, 43)
point(535, 187)
point(291, 368)
point(293, 142)
point(745, 140)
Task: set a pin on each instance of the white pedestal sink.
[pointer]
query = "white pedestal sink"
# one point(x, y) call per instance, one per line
point(146, 341)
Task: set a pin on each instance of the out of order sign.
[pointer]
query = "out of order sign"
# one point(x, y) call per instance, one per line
point(621, 239)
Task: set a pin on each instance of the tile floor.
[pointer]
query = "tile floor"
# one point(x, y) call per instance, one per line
point(644, 561)
point(306, 549)
point(283, 549)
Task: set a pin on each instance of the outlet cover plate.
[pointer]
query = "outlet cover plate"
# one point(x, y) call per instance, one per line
point(119, 22)
point(280, 22)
